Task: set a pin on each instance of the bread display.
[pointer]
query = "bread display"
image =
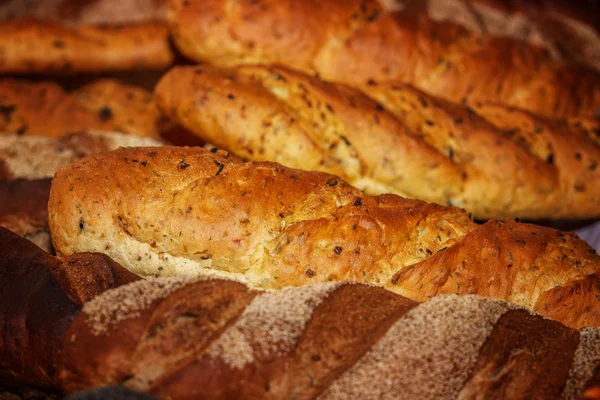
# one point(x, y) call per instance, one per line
point(38, 157)
point(185, 211)
point(45, 109)
point(567, 29)
point(343, 225)
point(207, 337)
point(406, 142)
point(358, 41)
point(37, 46)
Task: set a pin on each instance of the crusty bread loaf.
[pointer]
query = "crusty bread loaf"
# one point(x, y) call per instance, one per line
point(408, 143)
point(37, 157)
point(184, 211)
point(567, 29)
point(24, 209)
point(39, 298)
point(35, 46)
point(355, 41)
point(216, 339)
point(45, 109)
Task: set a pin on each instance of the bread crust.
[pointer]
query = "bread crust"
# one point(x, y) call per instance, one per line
point(171, 211)
point(38, 303)
point(37, 157)
point(36, 46)
point(357, 41)
point(327, 341)
point(45, 109)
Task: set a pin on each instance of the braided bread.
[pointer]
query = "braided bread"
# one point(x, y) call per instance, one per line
point(355, 41)
point(184, 211)
point(408, 143)
point(191, 338)
point(35, 46)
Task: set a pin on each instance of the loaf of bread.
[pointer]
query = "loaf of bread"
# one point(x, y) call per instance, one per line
point(38, 157)
point(45, 109)
point(185, 211)
point(406, 142)
point(214, 338)
point(200, 338)
point(36, 46)
point(24, 209)
point(567, 29)
point(40, 297)
point(357, 41)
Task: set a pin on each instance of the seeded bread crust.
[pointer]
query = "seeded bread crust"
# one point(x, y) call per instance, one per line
point(45, 109)
point(494, 162)
point(359, 40)
point(172, 211)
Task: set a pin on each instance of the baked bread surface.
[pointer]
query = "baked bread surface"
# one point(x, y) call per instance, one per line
point(492, 160)
point(185, 211)
point(359, 40)
point(36, 46)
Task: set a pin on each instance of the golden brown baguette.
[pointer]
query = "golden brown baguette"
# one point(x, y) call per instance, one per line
point(191, 338)
point(38, 157)
point(358, 40)
point(36, 46)
point(39, 299)
point(185, 211)
point(45, 109)
point(408, 143)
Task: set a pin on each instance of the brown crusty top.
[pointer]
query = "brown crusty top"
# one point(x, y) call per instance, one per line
point(171, 211)
point(45, 109)
point(355, 41)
